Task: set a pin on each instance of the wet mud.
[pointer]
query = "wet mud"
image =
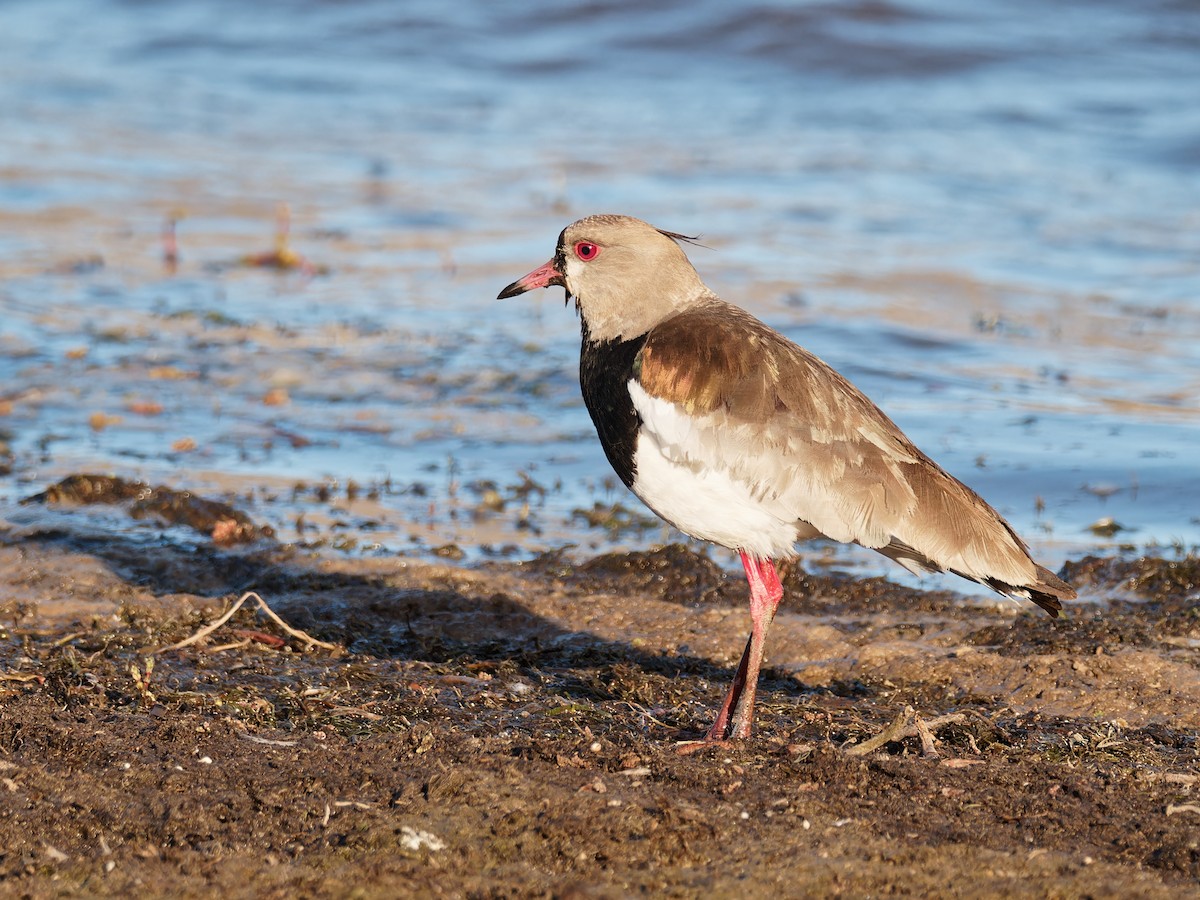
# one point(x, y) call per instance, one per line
point(220, 521)
point(512, 730)
point(959, 224)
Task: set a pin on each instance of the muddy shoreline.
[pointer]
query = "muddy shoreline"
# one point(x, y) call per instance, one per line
point(512, 730)
point(248, 270)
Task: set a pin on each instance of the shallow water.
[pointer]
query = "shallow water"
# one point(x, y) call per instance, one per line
point(987, 218)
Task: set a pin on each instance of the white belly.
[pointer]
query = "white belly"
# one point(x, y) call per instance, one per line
point(706, 503)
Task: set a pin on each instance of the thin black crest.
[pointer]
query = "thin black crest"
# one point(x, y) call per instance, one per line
point(693, 239)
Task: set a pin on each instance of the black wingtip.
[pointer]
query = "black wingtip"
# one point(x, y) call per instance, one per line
point(1048, 593)
point(1048, 602)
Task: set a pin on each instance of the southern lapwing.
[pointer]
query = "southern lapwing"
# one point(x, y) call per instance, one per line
point(734, 434)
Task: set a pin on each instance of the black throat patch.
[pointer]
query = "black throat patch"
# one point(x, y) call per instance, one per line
point(605, 369)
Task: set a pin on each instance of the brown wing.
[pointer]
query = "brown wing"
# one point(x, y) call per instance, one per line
point(814, 447)
point(719, 360)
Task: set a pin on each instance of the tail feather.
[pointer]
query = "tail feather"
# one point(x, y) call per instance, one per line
point(1048, 591)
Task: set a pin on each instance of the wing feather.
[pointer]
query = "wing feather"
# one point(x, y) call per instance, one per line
point(815, 450)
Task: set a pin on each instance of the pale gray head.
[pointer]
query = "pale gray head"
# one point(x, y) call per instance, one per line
point(626, 276)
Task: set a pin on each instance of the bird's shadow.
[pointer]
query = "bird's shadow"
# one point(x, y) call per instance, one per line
point(381, 616)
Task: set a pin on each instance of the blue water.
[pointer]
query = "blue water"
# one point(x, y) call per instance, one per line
point(988, 216)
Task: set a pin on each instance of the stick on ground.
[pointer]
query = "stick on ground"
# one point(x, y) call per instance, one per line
point(907, 725)
point(262, 604)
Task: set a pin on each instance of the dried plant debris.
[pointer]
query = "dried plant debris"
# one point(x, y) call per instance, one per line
point(224, 524)
point(616, 519)
point(513, 730)
point(282, 257)
point(247, 635)
point(6, 454)
point(675, 572)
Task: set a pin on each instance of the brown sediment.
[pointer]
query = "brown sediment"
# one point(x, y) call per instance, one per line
point(510, 731)
point(220, 521)
point(6, 454)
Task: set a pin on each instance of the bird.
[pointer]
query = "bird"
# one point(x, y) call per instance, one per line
point(735, 435)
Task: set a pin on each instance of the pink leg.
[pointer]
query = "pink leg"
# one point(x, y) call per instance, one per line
point(765, 594)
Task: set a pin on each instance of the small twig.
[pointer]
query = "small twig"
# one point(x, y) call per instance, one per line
point(948, 719)
point(645, 713)
point(21, 676)
point(255, 739)
point(893, 732)
point(354, 711)
point(908, 724)
point(687, 748)
point(262, 605)
point(1170, 777)
point(928, 751)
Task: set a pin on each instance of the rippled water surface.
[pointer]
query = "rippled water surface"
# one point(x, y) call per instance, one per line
point(987, 216)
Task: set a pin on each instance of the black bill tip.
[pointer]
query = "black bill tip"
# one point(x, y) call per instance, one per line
point(512, 290)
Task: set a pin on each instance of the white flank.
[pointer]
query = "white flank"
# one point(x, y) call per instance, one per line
point(684, 480)
point(752, 488)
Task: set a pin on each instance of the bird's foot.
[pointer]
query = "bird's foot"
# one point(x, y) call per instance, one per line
point(722, 734)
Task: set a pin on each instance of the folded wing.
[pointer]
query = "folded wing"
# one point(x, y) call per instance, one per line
point(815, 451)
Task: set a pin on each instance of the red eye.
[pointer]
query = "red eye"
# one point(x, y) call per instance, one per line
point(586, 250)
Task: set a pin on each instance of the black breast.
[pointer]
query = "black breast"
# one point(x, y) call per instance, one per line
point(605, 369)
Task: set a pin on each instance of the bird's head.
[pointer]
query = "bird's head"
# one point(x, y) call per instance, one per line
point(626, 276)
